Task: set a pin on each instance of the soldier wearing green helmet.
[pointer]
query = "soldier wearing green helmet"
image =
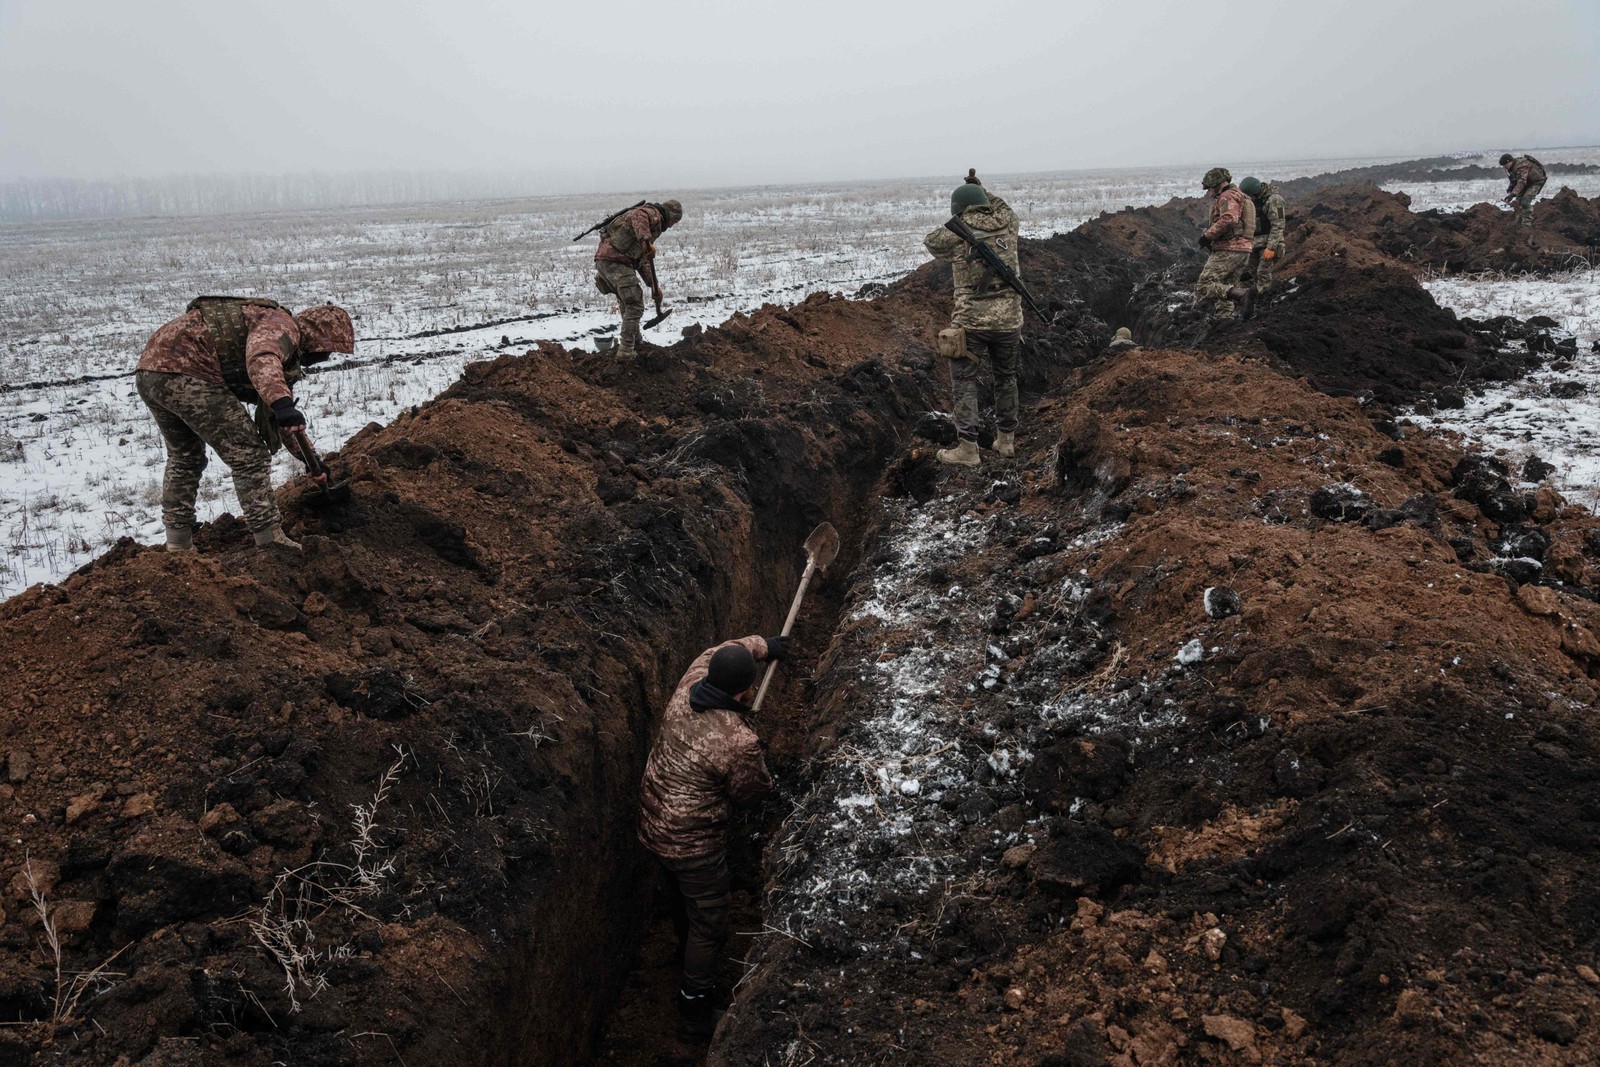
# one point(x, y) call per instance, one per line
point(987, 320)
point(1267, 247)
point(1229, 239)
point(1527, 178)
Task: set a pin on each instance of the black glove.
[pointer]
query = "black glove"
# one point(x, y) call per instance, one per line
point(777, 649)
point(286, 413)
point(1205, 242)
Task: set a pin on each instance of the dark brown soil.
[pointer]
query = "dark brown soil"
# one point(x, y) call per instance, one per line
point(485, 634)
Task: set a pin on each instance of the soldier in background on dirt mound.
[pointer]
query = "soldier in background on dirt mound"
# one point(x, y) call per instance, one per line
point(987, 321)
point(1267, 247)
point(198, 369)
point(1229, 239)
point(1527, 178)
point(1121, 341)
point(627, 252)
point(706, 758)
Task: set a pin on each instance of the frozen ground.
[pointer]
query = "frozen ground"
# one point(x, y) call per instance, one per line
point(1544, 414)
point(80, 462)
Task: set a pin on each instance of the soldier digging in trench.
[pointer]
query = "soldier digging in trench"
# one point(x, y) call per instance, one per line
point(705, 759)
point(1229, 239)
point(197, 371)
point(1267, 247)
point(986, 321)
point(627, 252)
point(1526, 181)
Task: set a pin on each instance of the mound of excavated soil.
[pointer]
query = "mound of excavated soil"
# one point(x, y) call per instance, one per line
point(528, 562)
point(1566, 230)
point(1355, 824)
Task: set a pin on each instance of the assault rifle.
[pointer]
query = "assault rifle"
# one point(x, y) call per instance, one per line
point(608, 220)
point(995, 263)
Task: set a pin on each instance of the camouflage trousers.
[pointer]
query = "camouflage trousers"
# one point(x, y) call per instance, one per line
point(1001, 348)
point(701, 890)
point(191, 414)
point(622, 281)
point(1524, 204)
point(1223, 271)
point(1258, 275)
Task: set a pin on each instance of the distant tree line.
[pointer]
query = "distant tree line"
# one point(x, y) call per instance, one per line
point(44, 199)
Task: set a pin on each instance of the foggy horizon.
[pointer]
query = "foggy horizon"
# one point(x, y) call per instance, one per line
point(710, 94)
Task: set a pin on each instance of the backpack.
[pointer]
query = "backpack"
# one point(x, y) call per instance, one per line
point(223, 317)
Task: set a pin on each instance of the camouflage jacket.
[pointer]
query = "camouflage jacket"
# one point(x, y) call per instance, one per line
point(702, 763)
point(1269, 219)
point(1233, 221)
point(185, 346)
point(983, 301)
point(1525, 172)
point(624, 241)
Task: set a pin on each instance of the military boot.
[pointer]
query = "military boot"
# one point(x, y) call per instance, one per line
point(965, 454)
point(275, 536)
point(697, 1017)
point(1241, 295)
point(1005, 442)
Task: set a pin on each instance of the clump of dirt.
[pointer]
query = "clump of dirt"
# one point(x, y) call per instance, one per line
point(1149, 763)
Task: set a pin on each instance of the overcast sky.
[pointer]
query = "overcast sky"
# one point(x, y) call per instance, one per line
point(718, 92)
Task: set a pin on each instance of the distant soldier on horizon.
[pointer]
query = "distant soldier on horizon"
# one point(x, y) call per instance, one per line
point(986, 321)
point(1267, 247)
point(1229, 239)
point(197, 371)
point(1527, 178)
point(627, 252)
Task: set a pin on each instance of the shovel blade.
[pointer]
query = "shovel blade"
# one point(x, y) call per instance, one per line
point(822, 546)
point(331, 495)
point(656, 321)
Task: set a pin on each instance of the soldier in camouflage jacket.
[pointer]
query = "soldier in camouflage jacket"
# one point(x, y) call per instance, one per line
point(986, 322)
point(628, 251)
point(706, 758)
point(1267, 248)
point(1526, 178)
point(194, 373)
point(1229, 238)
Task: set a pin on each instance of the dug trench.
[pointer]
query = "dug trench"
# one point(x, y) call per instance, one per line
point(375, 805)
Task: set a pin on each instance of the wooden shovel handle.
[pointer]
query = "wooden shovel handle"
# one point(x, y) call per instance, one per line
point(788, 624)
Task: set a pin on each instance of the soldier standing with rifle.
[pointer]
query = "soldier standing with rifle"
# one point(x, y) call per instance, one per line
point(980, 244)
point(627, 252)
point(196, 371)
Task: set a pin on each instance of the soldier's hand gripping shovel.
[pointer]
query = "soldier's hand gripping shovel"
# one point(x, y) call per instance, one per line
point(327, 491)
point(655, 291)
point(821, 548)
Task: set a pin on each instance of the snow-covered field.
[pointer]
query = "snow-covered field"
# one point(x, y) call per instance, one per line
point(1531, 417)
point(1458, 196)
point(81, 463)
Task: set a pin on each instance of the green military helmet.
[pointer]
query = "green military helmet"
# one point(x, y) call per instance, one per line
point(1250, 186)
point(1215, 177)
point(968, 194)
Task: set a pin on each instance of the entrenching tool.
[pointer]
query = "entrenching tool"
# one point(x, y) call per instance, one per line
point(656, 321)
point(821, 548)
point(325, 490)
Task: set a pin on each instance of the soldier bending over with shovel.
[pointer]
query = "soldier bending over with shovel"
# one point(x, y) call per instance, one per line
point(194, 374)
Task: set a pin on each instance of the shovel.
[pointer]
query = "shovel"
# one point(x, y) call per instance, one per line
point(325, 492)
point(656, 320)
point(821, 548)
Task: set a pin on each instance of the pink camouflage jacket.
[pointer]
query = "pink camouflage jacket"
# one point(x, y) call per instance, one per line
point(646, 224)
point(702, 763)
point(1233, 221)
point(272, 339)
